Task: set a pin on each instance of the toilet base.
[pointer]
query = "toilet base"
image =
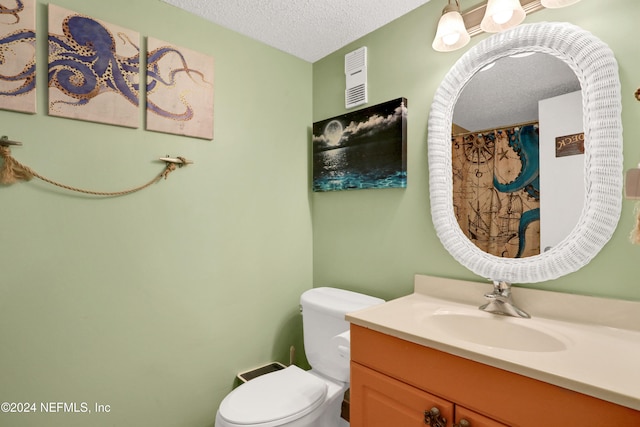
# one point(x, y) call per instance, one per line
point(333, 405)
point(326, 415)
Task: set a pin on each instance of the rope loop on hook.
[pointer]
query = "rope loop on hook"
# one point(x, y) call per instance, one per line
point(13, 171)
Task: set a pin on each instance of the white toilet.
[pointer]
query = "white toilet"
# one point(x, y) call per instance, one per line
point(293, 397)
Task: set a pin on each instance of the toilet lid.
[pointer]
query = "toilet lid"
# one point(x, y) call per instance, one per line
point(275, 398)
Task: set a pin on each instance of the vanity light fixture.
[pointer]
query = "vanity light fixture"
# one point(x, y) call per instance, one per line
point(487, 16)
point(555, 4)
point(451, 33)
point(502, 15)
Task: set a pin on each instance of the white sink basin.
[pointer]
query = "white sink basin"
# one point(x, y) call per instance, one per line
point(497, 331)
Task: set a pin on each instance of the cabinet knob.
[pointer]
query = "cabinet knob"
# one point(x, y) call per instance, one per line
point(463, 423)
point(433, 418)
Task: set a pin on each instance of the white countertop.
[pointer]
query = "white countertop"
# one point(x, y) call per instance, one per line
point(602, 336)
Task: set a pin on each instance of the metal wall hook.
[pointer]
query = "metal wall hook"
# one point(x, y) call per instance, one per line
point(180, 161)
point(4, 141)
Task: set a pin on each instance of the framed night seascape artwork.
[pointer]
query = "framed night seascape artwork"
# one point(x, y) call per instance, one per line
point(362, 149)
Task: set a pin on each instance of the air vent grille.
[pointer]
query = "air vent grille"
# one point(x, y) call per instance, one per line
point(356, 95)
point(355, 60)
point(355, 69)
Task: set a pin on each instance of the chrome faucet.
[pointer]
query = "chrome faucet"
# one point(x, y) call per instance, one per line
point(500, 301)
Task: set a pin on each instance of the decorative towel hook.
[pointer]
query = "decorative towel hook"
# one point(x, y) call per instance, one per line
point(4, 142)
point(180, 161)
point(171, 163)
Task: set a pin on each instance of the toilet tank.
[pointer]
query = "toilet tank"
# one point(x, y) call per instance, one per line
point(323, 312)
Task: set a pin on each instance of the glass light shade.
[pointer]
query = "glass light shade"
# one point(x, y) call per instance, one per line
point(451, 33)
point(502, 15)
point(555, 4)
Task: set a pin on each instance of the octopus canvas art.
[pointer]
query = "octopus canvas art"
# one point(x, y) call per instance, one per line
point(18, 55)
point(179, 90)
point(94, 69)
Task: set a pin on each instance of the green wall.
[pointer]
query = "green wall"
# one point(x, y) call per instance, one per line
point(376, 240)
point(152, 302)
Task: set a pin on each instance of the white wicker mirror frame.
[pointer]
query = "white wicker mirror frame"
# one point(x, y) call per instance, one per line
point(597, 70)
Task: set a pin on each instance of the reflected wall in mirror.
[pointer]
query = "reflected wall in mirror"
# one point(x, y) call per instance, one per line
point(595, 67)
point(505, 125)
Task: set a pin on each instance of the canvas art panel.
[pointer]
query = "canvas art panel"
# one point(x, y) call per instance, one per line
point(94, 69)
point(362, 149)
point(179, 90)
point(18, 55)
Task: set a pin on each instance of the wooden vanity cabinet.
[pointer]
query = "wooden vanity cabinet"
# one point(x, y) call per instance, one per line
point(384, 401)
point(396, 383)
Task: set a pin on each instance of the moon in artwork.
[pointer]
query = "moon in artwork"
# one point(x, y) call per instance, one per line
point(333, 132)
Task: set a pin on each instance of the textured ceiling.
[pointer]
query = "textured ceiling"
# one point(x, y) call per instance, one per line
point(308, 29)
point(312, 29)
point(508, 93)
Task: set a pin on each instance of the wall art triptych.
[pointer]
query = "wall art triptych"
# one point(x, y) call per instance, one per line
point(94, 73)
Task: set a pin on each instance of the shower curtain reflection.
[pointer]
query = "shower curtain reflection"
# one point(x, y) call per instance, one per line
point(496, 189)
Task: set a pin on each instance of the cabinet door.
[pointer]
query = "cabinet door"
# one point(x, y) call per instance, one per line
point(473, 419)
point(381, 401)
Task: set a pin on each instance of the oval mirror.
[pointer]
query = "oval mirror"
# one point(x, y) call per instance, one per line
point(595, 68)
point(506, 124)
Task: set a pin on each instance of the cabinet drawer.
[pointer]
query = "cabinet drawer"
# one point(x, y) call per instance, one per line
point(381, 401)
point(509, 398)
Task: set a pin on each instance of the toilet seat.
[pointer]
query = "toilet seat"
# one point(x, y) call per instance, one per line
point(274, 399)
